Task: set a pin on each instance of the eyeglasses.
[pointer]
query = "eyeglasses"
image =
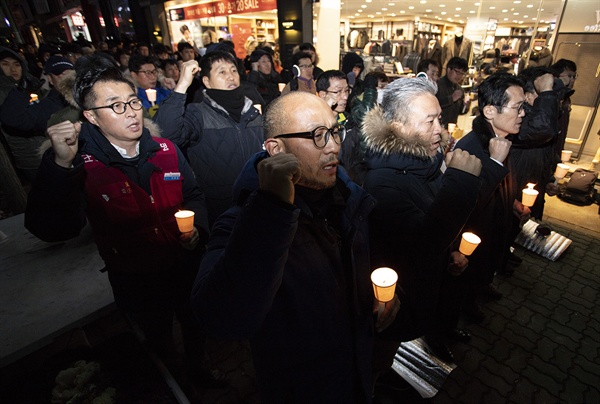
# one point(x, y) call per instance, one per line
point(149, 72)
point(345, 91)
point(120, 107)
point(306, 66)
point(459, 72)
point(320, 135)
point(520, 108)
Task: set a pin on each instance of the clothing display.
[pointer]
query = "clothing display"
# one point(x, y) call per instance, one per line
point(457, 46)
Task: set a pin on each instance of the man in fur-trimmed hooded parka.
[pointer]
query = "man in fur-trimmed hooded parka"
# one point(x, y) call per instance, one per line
point(420, 211)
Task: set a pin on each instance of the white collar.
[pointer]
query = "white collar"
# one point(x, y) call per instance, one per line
point(123, 152)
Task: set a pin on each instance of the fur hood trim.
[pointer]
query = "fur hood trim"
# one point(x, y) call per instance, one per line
point(381, 137)
point(65, 88)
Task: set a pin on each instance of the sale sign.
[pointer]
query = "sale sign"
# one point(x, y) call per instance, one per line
point(227, 7)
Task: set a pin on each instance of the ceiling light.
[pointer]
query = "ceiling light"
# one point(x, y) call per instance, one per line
point(457, 15)
point(411, 7)
point(428, 10)
point(525, 16)
point(492, 7)
point(363, 6)
point(472, 12)
point(442, 5)
point(530, 6)
point(384, 9)
point(457, 8)
point(515, 13)
point(517, 1)
point(443, 13)
point(378, 12)
point(505, 11)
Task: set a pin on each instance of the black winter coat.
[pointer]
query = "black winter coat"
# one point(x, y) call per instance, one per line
point(301, 291)
point(419, 214)
point(216, 146)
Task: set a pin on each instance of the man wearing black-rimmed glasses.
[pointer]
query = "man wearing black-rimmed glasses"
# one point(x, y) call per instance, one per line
point(451, 96)
point(128, 185)
point(332, 86)
point(288, 265)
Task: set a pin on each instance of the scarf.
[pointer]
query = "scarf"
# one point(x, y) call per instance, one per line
point(232, 100)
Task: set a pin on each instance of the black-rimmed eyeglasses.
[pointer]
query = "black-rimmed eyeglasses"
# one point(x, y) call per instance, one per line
point(320, 135)
point(120, 107)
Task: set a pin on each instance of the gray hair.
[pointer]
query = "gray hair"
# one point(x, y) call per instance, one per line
point(400, 93)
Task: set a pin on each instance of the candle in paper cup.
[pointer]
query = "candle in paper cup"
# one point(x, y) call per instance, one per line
point(561, 171)
point(185, 220)
point(384, 283)
point(468, 243)
point(529, 195)
point(451, 128)
point(565, 156)
point(151, 94)
point(281, 86)
point(259, 107)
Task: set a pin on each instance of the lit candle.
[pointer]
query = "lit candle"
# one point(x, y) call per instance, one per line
point(151, 94)
point(529, 195)
point(451, 128)
point(185, 220)
point(468, 243)
point(384, 285)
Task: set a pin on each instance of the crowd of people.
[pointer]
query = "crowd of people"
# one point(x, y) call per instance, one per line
point(302, 182)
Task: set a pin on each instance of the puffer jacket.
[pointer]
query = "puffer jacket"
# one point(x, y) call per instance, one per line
point(305, 301)
point(216, 146)
point(419, 213)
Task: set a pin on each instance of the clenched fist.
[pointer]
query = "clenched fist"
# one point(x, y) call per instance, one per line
point(278, 174)
point(462, 160)
point(499, 148)
point(64, 139)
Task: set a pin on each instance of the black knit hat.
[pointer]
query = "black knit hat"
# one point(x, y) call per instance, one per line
point(257, 54)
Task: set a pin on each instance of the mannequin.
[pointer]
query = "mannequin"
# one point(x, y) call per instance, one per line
point(457, 46)
point(432, 51)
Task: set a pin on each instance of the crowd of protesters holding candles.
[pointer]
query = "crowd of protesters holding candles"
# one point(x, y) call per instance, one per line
point(255, 200)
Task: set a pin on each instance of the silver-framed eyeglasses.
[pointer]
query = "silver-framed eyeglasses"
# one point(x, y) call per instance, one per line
point(120, 107)
point(320, 135)
point(520, 108)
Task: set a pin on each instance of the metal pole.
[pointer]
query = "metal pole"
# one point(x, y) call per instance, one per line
point(535, 28)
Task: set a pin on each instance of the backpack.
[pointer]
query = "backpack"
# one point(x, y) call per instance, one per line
point(580, 188)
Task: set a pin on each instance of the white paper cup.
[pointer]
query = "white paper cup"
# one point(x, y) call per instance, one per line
point(529, 197)
point(185, 220)
point(384, 283)
point(565, 156)
point(468, 243)
point(281, 86)
point(451, 128)
point(151, 94)
point(561, 171)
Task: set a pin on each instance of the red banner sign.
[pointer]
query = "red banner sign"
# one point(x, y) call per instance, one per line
point(227, 7)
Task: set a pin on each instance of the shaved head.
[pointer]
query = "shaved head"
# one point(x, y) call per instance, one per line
point(277, 118)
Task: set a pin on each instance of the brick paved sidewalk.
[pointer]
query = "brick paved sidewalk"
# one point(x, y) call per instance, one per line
point(540, 343)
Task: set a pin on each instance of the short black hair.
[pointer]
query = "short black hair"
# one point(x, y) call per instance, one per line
point(137, 61)
point(563, 64)
point(423, 65)
point(307, 46)
point(380, 76)
point(324, 79)
point(529, 75)
point(86, 79)
point(210, 58)
point(181, 46)
point(166, 62)
point(300, 55)
point(458, 63)
point(492, 91)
